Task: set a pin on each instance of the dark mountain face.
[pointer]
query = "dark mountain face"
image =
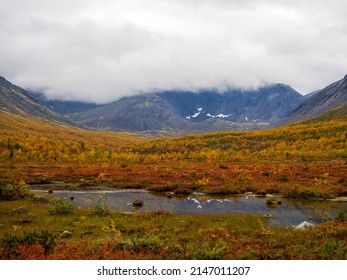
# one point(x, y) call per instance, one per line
point(267, 104)
point(206, 110)
point(331, 97)
point(16, 100)
point(136, 113)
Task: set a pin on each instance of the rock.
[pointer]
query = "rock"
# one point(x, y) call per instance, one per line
point(27, 219)
point(304, 225)
point(66, 234)
point(138, 203)
point(19, 211)
point(273, 202)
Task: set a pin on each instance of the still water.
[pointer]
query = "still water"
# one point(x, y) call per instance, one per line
point(289, 213)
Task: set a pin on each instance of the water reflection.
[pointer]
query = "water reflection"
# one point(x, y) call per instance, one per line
point(288, 213)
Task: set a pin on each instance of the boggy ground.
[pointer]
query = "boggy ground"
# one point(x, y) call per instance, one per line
point(316, 179)
point(34, 228)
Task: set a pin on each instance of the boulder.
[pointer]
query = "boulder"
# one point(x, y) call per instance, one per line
point(304, 225)
point(19, 211)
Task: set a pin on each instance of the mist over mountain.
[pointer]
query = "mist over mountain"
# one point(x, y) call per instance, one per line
point(16, 100)
point(180, 111)
point(204, 110)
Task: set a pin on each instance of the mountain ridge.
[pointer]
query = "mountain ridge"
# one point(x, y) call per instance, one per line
point(330, 97)
point(189, 110)
point(16, 100)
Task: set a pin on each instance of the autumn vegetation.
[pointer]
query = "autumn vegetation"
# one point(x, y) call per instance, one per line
point(304, 160)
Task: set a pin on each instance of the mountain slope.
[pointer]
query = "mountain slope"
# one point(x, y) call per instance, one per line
point(136, 113)
point(331, 97)
point(266, 104)
point(16, 100)
point(203, 111)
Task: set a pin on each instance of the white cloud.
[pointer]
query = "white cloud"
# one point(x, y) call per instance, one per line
point(102, 50)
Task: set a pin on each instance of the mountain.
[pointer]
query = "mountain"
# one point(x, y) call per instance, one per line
point(205, 110)
point(135, 113)
point(331, 97)
point(172, 111)
point(63, 107)
point(18, 101)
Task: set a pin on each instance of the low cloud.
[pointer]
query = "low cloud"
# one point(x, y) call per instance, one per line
point(102, 50)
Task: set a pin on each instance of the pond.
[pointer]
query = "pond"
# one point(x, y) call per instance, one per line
point(288, 213)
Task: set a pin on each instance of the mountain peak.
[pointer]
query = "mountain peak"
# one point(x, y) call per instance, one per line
point(3, 81)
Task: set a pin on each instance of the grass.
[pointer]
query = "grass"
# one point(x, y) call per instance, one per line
point(160, 235)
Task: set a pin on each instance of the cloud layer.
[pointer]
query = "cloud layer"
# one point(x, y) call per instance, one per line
point(101, 50)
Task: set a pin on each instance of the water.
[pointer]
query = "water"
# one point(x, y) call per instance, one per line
point(289, 213)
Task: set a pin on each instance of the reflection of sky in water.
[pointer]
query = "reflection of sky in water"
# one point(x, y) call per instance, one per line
point(290, 212)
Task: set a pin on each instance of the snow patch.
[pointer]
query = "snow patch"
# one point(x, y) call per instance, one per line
point(222, 116)
point(196, 115)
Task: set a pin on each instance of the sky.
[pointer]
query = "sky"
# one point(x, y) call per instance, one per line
point(101, 50)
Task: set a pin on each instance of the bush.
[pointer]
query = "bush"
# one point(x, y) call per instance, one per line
point(282, 179)
point(340, 216)
point(102, 210)
point(11, 242)
point(39, 199)
point(15, 191)
point(62, 208)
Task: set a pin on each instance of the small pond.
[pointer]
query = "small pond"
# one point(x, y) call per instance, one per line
point(288, 213)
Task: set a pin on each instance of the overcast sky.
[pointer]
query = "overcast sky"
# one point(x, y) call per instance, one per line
point(100, 50)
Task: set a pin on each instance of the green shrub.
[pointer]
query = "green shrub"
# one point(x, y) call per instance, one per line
point(15, 191)
point(39, 199)
point(102, 210)
point(340, 216)
point(148, 242)
point(62, 208)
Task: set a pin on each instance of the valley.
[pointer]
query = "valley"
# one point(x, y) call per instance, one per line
point(39, 150)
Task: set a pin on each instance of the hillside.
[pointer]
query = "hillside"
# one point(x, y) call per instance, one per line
point(330, 97)
point(16, 100)
point(32, 139)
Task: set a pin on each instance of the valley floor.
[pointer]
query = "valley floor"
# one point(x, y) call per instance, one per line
point(295, 179)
